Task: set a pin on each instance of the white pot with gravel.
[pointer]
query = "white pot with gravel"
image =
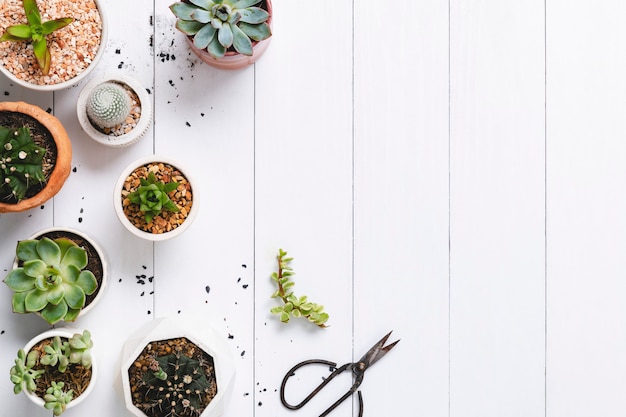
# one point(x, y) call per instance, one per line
point(74, 48)
point(115, 110)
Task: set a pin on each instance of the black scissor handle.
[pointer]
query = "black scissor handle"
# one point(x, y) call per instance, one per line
point(313, 393)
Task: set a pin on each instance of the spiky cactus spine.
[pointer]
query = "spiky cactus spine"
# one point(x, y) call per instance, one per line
point(20, 161)
point(108, 105)
point(176, 383)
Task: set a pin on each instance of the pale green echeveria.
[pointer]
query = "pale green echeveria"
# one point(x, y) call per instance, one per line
point(217, 25)
point(51, 280)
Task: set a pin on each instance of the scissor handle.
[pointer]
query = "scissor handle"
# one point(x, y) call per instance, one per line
point(313, 393)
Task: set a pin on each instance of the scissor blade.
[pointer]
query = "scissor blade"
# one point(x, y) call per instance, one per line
point(378, 351)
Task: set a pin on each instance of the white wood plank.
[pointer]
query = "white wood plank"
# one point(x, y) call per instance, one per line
point(497, 278)
point(586, 240)
point(401, 204)
point(303, 203)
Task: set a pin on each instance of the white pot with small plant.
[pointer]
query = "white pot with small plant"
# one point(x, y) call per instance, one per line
point(114, 110)
point(55, 369)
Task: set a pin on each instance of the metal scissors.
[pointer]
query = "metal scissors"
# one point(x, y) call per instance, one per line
point(358, 370)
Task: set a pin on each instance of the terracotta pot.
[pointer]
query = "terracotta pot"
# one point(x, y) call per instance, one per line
point(234, 60)
point(63, 333)
point(63, 162)
point(79, 77)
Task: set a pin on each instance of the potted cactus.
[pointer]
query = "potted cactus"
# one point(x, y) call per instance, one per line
point(57, 274)
point(176, 366)
point(154, 198)
point(114, 111)
point(35, 156)
point(50, 45)
point(227, 34)
point(55, 369)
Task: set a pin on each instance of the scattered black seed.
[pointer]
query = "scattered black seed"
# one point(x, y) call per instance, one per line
point(149, 312)
point(244, 265)
point(151, 292)
point(207, 289)
point(48, 110)
point(245, 286)
point(82, 210)
point(119, 280)
point(141, 281)
point(243, 352)
point(171, 83)
point(142, 293)
point(118, 51)
point(260, 403)
point(80, 220)
point(2, 332)
point(150, 279)
point(74, 169)
point(151, 20)
point(187, 123)
point(151, 41)
point(42, 207)
point(173, 57)
point(238, 279)
point(148, 90)
point(178, 311)
point(121, 64)
point(245, 394)
point(6, 93)
point(144, 267)
point(230, 336)
point(202, 114)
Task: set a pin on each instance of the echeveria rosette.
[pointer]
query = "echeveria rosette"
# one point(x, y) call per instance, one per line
point(52, 280)
point(217, 25)
point(36, 31)
point(152, 197)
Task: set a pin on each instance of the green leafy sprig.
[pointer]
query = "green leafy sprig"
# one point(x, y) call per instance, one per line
point(36, 31)
point(294, 306)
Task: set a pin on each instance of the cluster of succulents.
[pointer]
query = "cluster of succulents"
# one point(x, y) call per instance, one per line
point(176, 383)
point(294, 306)
point(108, 105)
point(58, 355)
point(217, 25)
point(21, 161)
point(52, 280)
point(152, 197)
point(36, 31)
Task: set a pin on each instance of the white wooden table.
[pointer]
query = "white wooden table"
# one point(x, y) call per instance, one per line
point(459, 181)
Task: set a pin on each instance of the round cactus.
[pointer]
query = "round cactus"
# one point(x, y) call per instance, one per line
point(108, 105)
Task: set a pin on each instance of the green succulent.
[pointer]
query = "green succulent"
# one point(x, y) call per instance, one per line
point(56, 399)
point(76, 350)
point(52, 279)
point(20, 161)
point(294, 306)
point(36, 31)
point(108, 105)
point(176, 381)
point(152, 197)
point(217, 25)
point(22, 373)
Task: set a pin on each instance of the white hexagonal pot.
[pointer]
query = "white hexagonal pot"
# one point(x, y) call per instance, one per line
point(63, 333)
point(195, 329)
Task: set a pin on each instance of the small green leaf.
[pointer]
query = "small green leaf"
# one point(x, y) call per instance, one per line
point(52, 25)
point(21, 32)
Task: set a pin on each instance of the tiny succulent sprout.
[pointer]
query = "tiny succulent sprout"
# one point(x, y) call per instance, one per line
point(294, 306)
point(56, 398)
point(52, 280)
point(21, 161)
point(108, 105)
point(152, 197)
point(218, 25)
point(54, 355)
point(36, 31)
point(22, 373)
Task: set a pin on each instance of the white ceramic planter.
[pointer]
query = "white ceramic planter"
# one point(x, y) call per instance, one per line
point(78, 78)
point(101, 255)
point(126, 139)
point(117, 199)
point(199, 332)
point(67, 333)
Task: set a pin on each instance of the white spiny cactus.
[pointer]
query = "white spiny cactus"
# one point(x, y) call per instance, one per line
point(108, 105)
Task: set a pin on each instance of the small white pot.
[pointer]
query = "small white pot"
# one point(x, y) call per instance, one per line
point(117, 199)
point(78, 78)
point(126, 139)
point(195, 329)
point(67, 333)
point(101, 255)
